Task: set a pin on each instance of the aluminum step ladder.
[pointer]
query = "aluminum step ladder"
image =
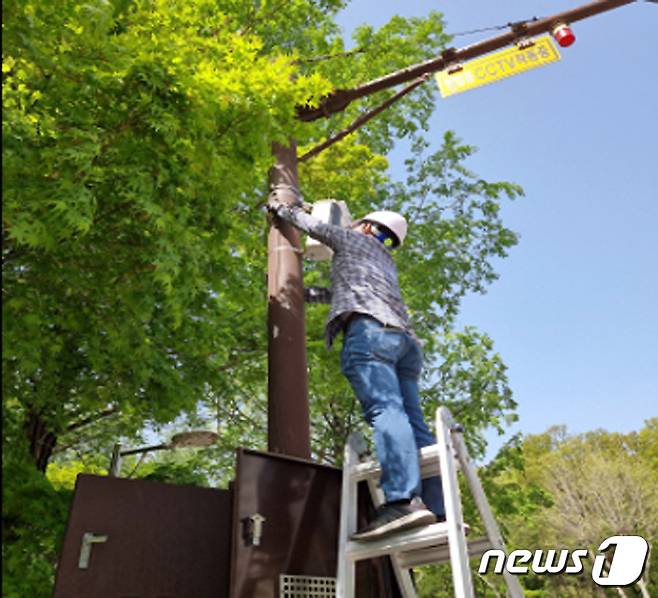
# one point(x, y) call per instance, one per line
point(436, 543)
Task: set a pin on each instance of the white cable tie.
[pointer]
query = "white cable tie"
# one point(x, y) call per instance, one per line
point(285, 248)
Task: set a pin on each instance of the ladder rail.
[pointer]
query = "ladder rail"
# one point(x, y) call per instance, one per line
point(346, 581)
point(490, 524)
point(439, 542)
point(459, 560)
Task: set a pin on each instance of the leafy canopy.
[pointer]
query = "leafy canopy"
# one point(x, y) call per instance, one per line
point(136, 146)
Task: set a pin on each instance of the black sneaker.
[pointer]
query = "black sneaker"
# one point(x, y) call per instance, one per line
point(396, 516)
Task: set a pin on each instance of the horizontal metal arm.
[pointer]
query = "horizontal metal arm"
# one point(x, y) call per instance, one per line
point(363, 119)
point(341, 98)
point(145, 449)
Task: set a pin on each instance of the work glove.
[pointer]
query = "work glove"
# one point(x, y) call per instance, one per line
point(274, 200)
point(273, 204)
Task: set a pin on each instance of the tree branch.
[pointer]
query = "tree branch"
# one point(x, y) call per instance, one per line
point(91, 419)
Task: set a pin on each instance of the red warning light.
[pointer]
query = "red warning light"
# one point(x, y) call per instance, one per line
point(563, 35)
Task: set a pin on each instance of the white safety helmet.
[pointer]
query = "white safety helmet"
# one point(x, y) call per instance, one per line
point(392, 221)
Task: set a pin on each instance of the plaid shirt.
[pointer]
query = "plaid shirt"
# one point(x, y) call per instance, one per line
point(364, 278)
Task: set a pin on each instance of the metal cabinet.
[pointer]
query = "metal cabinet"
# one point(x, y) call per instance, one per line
point(285, 531)
point(140, 539)
point(273, 535)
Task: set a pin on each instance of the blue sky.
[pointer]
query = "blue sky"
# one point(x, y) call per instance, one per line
point(574, 311)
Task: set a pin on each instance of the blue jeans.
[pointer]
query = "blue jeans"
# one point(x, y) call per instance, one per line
point(383, 366)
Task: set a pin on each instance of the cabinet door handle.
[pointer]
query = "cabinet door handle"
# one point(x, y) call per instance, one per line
point(255, 529)
point(88, 540)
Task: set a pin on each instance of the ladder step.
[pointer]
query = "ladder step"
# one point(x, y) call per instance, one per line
point(413, 539)
point(428, 458)
point(440, 553)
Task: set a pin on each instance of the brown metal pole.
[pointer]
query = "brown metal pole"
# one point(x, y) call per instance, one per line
point(288, 422)
point(341, 98)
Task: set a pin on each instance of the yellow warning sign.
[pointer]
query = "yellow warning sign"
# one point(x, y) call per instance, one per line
point(496, 66)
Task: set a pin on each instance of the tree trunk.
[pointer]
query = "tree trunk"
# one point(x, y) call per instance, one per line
point(42, 441)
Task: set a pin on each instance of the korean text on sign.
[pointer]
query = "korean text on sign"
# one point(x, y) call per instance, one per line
point(496, 66)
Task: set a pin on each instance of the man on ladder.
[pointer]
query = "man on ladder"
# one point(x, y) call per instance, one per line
point(381, 358)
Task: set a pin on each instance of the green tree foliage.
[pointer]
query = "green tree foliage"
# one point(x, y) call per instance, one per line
point(559, 491)
point(34, 513)
point(136, 146)
point(131, 141)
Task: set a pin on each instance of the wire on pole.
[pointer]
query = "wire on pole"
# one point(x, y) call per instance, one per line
point(496, 27)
